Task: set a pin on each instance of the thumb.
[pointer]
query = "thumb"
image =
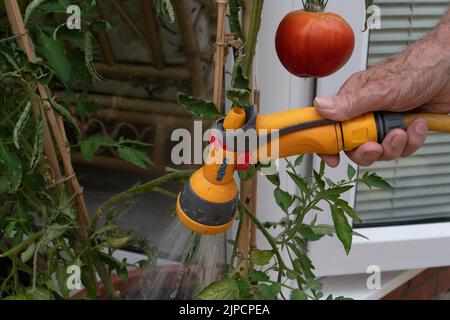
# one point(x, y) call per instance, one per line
point(347, 106)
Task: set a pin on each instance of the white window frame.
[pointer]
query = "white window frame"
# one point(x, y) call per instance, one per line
point(392, 248)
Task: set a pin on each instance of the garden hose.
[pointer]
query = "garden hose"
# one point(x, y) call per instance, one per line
point(208, 202)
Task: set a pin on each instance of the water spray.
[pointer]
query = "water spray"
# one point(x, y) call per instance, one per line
point(208, 202)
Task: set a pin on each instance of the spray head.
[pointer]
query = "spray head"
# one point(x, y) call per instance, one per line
point(208, 202)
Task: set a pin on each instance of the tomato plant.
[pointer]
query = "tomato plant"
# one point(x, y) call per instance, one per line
point(313, 43)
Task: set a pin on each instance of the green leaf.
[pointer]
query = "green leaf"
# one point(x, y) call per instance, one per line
point(269, 292)
point(351, 172)
point(336, 192)
point(239, 97)
point(274, 179)
point(258, 276)
point(90, 146)
point(11, 167)
point(220, 290)
point(297, 294)
point(283, 199)
point(55, 53)
point(319, 180)
point(38, 145)
point(343, 229)
point(30, 8)
point(234, 18)
point(28, 253)
point(165, 8)
point(372, 180)
point(100, 25)
point(20, 125)
point(300, 182)
point(66, 115)
point(348, 210)
point(136, 157)
point(54, 231)
point(322, 168)
point(245, 289)
point(299, 160)
point(199, 108)
point(261, 257)
point(115, 265)
point(89, 57)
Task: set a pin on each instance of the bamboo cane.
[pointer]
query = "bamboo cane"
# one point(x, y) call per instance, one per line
point(154, 35)
point(190, 47)
point(18, 27)
point(220, 54)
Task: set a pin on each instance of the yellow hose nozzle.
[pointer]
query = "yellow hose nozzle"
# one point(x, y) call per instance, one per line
point(208, 202)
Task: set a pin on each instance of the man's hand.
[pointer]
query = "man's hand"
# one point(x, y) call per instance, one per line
point(418, 78)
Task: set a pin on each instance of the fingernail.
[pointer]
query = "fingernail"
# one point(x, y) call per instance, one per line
point(370, 155)
point(422, 129)
point(325, 103)
point(398, 142)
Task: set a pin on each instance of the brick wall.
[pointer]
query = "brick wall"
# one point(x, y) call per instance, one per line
point(431, 284)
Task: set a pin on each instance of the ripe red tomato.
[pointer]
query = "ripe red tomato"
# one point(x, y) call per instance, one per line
point(314, 44)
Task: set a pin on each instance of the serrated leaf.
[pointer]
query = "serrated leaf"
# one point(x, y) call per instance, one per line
point(258, 276)
point(261, 257)
point(283, 199)
point(89, 57)
point(299, 160)
point(351, 172)
point(199, 108)
point(348, 210)
point(300, 182)
point(55, 54)
point(343, 229)
point(234, 18)
point(269, 292)
point(38, 145)
point(296, 294)
point(67, 116)
point(90, 146)
point(165, 8)
point(274, 179)
point(20, 125)
point(220, 290)
point(134, 156)
point(319, 180)
point(12, 168)
point(28, 253)
point(372, 180)
point(239, 97)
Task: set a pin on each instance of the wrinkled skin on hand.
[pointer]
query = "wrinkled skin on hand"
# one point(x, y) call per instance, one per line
point(417, 79)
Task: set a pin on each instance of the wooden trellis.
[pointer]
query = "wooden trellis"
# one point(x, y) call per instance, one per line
point(147, 118)
point(53, 124)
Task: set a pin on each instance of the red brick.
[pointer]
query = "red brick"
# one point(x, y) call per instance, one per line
point(423, 277)
point(443, 281)
point(398, 293)
point(424, 292)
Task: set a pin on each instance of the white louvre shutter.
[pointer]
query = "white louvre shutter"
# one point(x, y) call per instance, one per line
point(422, 182)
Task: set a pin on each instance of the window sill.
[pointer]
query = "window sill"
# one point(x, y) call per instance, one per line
point(354, 286)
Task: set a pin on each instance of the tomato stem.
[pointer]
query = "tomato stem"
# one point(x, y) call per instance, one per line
point(314, 5)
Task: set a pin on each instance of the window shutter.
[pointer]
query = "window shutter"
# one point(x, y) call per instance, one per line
point(422, 182)
point(402, 23)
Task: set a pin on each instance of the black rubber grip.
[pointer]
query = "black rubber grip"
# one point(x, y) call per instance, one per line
point(387, 122)
point(205, 212)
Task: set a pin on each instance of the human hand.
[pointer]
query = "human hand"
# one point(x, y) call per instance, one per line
point(419, 79)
